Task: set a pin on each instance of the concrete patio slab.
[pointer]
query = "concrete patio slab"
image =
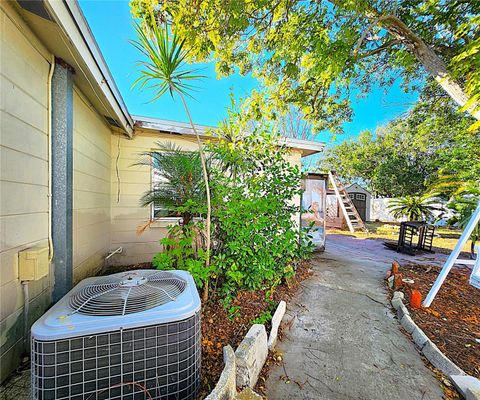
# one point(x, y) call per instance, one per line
point(345, 342)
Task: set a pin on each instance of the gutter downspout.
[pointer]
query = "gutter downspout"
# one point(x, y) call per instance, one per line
point(49, 158)
point(62, 178)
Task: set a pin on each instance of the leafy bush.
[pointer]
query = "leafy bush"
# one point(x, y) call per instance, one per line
point(464, 205)
point(183, 251)
point(253, 184)
point(257, 241)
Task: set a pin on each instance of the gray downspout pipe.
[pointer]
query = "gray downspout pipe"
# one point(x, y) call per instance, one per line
point(62, 177)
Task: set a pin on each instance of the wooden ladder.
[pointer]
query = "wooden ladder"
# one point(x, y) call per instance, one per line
point(354, 221)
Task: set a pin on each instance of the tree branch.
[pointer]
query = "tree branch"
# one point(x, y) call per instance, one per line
point(380, 48)
point(364, 35)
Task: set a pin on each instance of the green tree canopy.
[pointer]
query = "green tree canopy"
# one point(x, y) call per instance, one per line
point(310, 53)
point(412, 153)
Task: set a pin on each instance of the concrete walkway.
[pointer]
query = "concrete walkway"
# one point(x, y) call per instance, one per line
point(344, 341)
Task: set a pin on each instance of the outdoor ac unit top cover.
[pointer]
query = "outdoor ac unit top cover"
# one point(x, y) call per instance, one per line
point(110, 303)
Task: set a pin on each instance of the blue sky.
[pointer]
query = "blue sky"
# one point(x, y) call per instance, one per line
point(111, 24)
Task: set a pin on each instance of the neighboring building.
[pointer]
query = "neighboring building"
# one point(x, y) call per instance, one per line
point(67, 147)
point(361, 198)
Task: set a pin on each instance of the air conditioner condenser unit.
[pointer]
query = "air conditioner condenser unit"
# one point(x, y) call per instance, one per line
point(132, 335)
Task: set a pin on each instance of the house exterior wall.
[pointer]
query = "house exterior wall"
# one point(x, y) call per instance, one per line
point(23, 176)
point(24, 71)
point(127, 213)
point(127, 189)
point(91, 188)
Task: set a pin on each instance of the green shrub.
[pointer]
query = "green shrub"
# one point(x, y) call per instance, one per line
point(257, 235)
point(257, 241)
point(181, 251)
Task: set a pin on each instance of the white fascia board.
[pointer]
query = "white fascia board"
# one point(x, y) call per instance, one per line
point(70, 18)
point(307, 147)
point(165, 125)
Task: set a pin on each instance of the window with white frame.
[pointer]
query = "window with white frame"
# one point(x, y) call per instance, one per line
point(157, 211)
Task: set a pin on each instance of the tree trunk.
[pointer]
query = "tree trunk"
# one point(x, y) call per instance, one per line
point(432, 63)
point(207, 190)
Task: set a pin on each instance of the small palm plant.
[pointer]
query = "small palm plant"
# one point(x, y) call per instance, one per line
point(414, 208)
point(179, 188)
point(163, 71)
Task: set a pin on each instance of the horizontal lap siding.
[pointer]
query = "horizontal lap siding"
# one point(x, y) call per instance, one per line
point(24, 69)
point(91, 188)
point(127, 213)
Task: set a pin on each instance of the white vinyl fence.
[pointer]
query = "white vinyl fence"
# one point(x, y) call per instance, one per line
point(379, 211)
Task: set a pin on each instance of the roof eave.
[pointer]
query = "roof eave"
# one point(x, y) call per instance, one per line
point(306, 147)
point(69, 17)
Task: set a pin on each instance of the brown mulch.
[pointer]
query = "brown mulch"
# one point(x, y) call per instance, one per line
point(453, 320)
point(122, 268)
point(219, 329)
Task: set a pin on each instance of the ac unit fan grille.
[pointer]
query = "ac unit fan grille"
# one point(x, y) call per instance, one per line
point(127, 293)
point(158, 362)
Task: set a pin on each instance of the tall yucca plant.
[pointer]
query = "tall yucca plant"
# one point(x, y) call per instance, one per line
point(163, 70)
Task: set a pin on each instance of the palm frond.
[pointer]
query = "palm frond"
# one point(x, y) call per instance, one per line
point(415, 207)
point(163, 67)
point(179, 179)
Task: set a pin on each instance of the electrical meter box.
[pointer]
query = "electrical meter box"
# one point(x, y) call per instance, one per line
point(33, 263)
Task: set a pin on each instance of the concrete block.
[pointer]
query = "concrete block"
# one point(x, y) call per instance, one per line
point(276, 321)
point(472, 394)
point(250, 355)
point(396, 303)
point(419, 337)
point(390, 281)
point(407, 323)
point(464, 383)
point(226, 387)
point(439, 360)
point(398, 295)
point(401, 311)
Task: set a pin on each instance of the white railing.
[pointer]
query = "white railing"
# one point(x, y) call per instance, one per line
point(453, 259)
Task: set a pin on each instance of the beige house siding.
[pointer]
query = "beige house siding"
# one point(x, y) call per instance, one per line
point(25, 66)
point(91, 188)
point(127, 213)
point(23, 176)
